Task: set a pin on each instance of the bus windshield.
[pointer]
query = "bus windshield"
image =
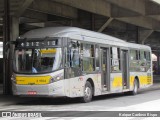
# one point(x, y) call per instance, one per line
point(37, 60)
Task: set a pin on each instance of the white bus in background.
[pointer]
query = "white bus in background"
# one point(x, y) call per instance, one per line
point(1, 50)
point(73, 62)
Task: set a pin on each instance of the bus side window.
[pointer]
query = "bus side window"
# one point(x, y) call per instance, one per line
point(75, 57)
point(115, 59)
point(97, 57)
point(142, 56)
point(137, 55)
point(148, 58)
point(134, 58)
point(88, 57)
point(133, 55)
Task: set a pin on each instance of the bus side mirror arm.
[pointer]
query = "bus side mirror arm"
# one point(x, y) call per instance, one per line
point(7, 48)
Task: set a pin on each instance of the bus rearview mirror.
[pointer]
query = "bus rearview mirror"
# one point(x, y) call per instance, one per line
point(7, 48)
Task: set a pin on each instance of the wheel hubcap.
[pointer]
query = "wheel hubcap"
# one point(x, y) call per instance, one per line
point(135, 87)
point(87, 92)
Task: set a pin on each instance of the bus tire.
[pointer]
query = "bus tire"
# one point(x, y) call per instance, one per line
point(88, 92)
point(135, 88)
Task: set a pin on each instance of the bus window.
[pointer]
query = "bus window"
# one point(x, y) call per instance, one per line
point(119, 58)
point(143, 62)
point(133, 54)
point(97, 58)
point(137, 55)
point(142, 57)
point(38, 60)
point(88, 59)
point(134, 57)
point(115, 59)
point(75, 57)
point(147, 56)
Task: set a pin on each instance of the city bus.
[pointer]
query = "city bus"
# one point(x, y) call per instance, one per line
point(73, 62)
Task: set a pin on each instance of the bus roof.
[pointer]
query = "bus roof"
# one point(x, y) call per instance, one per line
point(72, 31)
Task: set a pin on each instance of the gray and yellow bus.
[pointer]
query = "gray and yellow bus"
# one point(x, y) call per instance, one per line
point(73, 62)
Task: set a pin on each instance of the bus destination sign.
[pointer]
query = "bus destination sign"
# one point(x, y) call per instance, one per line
point(37, 43)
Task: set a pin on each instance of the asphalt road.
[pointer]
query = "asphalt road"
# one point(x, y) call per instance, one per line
point(146, 100)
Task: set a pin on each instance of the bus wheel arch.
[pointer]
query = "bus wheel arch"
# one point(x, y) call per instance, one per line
point(92, 84)
point(88, 91)
point(135, 86)
point(136, 78)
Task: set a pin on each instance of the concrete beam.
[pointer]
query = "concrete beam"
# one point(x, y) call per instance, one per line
point(152, 8)
point(49, 24)
point(23, 7)
point(32, 14)
point(54, 8)
point(105, 25)
point(117, 12)
point(156, 17)
point(134, 15)
point(143, 35)
point(37, 24)
point(100, 7)
point(28, 20)
point(131, 8)
point(133, 5)
point(142, 22)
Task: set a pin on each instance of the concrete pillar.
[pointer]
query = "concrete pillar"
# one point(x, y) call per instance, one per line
point(14, 28)
point(14, 33)
point(6, 62)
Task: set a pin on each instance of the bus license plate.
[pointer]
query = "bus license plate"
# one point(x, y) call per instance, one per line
point(31, 92)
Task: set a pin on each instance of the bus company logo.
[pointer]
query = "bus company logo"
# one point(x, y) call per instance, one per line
point(6, 114)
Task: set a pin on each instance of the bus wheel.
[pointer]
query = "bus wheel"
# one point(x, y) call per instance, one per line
point(88, 92)
point(135, 89)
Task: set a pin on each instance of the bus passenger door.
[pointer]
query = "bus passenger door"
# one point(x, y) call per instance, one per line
point(105, 69)
point(125, 69)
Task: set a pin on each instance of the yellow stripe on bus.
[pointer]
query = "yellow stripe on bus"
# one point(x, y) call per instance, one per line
point(37, 80)
point(132, 80)
point(117, 82)
point(144, 80)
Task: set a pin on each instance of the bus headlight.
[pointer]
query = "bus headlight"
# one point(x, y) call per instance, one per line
point(56, 78)
point(13, 78)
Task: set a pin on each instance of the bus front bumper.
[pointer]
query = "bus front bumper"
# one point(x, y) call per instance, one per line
point(55, 89)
